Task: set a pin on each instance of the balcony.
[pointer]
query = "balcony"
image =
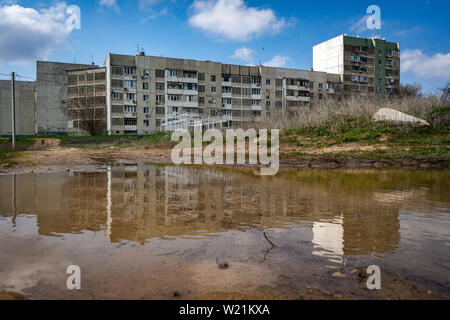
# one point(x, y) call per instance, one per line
point(256, 108)
point(226, 83)
point(190, 80)
point(130, 128)
point(256, 97)
point(298, 98)
point(130, 115)
point(226, 94)
point(190, 104)
point(174, 79)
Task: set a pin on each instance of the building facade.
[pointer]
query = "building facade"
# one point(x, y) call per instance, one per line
point(143, 92)
point(367, 66)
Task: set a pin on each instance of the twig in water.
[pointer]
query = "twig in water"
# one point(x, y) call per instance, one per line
point(265, 236)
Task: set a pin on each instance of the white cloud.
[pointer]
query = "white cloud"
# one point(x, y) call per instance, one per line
point(277, 61)
point(155, 15)
point(28, 34)
point(233, 19)
point(110, 3)
point(360, 25)
point(147, 4)
point(422, 65)
point(244, 54)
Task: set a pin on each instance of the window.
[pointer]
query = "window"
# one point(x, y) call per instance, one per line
point(174, 109)
point(256, 80)
point(130, 109)
point(130, 122)
point(267, 103)
point(226, 100)
point(145, 86)
point(268, 82)
point(146, 110)
point(146, 98)
point(116, 95)
point(213, 78)
point(256, 91)
point(213, 89)
point(172, 73)
point(320, 85)
point(146, 73)
point(380, 52)
point(190, 86)
point(146, 123)
point(159, 98)
point(173, 98)
point(131, 96)
point(226, 89)
point(256, 102)
point(129, 71)
point(129, 84)
point(226, 78)
point(174, 85)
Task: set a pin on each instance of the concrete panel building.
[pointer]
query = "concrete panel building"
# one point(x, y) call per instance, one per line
point(52, 96)
point(367, 66)
point(25, 108)
point(145, 91)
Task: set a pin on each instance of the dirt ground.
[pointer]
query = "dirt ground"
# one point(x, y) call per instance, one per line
point(393, 288)
point(48, 155)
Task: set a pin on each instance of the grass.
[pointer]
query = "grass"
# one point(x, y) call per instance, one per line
point(8, 155)
point(160, 139)
point(361, 130)
point(402, 141)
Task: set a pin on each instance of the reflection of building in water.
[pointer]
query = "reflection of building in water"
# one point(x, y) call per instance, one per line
point(141, 202)
point(328, 240)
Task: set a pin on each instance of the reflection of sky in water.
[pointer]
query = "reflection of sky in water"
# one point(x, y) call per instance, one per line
point(328, 240)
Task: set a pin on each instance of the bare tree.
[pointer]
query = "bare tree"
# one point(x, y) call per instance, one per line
point(409, 90)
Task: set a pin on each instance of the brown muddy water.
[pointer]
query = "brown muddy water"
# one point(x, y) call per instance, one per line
point(163, 232)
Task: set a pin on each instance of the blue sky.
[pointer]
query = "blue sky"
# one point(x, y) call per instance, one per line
point(279, 33)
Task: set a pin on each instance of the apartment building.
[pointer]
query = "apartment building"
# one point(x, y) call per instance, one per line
point(143, 92)
point(86, 105)
point(367, 66)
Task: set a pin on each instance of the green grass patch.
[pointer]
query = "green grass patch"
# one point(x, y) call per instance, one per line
point(100, 142)
point(347, 129)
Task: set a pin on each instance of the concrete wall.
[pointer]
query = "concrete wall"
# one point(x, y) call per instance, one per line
point(51, 94)
point(25, 108)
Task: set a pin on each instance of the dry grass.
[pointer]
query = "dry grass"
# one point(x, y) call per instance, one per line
point(329, 111)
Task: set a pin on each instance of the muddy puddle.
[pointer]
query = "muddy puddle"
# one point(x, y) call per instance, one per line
point(163, 232)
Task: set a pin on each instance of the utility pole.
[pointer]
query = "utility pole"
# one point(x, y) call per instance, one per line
point(13, 109)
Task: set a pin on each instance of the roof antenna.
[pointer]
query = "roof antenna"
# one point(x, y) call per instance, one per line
point(92, 59)
point(137, 48)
